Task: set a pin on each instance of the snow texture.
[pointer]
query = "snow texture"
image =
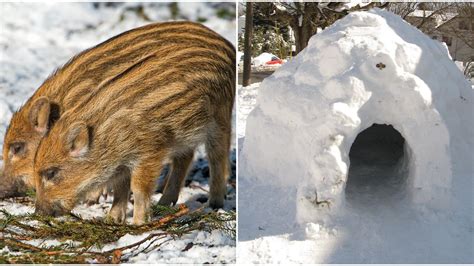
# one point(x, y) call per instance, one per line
point(37, 38)
point(262, 59)
point(311, 191)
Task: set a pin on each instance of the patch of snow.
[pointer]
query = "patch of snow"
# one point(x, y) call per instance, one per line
point(262, 59)
point(280, 7)
point(353, 3)
point(49, 243)
point(241, 24)
point(16, 208)
point(420, 13)
point(247, 101)
point(215, 249)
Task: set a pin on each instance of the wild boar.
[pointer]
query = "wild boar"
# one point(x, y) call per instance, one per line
point(178, 94)
point(70, 86)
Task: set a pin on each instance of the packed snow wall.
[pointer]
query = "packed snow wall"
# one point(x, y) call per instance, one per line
point(368, 69)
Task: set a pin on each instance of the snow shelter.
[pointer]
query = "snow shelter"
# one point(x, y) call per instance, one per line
point(370, 112)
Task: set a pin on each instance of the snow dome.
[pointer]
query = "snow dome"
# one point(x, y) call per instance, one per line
point(373, 110)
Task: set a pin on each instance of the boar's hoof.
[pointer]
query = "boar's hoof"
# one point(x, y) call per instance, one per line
point(117, 215)
point(167, 200)
point(216, 203)
point(137, 221)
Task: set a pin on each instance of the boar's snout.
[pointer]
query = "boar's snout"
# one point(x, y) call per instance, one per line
point(49, 209)
point(6, 192)
point(11, 188)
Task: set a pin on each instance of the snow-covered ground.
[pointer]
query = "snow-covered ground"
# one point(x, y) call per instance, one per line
point(356, 72)
point(36, 38)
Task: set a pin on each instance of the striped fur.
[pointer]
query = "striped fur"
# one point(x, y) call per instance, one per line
point(88, 75)
point(156, 97)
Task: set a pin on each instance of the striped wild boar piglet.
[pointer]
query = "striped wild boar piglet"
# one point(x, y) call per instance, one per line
point(177, 94)
point(68, 87)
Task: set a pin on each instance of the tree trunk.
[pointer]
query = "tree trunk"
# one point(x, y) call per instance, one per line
point(303, 32)
point(247, 44)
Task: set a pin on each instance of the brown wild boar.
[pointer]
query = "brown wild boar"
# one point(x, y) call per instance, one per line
point(177, 95)
point(69, 86)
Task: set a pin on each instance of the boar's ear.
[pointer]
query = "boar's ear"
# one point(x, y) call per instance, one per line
point(39, 114)
point(78, 139)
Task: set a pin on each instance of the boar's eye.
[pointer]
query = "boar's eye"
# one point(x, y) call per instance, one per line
point(17, 148)
point(50, 173)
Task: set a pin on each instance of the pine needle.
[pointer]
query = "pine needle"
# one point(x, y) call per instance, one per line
point(82, 240)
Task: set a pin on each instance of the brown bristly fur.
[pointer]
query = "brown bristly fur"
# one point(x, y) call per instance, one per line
point(82, 78)
point(164, 94)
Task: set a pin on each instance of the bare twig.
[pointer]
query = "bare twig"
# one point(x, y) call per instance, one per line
point(91, 233)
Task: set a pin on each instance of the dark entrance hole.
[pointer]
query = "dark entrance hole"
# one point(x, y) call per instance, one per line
point(378, 166)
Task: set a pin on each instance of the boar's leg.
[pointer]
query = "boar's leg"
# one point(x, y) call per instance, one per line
point(143, 185)
point(107, 191)
point(162, 185)
point(217, 148)
point(121, 188)
point(179, 168)
point(93, 196)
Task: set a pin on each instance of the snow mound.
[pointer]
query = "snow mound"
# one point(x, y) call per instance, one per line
point(372, 111)
point(262, 59)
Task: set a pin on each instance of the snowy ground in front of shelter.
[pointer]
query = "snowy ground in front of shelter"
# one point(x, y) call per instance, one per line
point(376, 233)
point(37, 38)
